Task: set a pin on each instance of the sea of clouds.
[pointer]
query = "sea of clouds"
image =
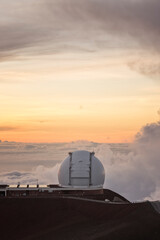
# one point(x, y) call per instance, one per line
point(131, 169)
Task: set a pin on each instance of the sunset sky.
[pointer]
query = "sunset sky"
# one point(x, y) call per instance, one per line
point(78, 69)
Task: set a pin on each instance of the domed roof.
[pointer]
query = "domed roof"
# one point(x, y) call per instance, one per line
point(81, 169)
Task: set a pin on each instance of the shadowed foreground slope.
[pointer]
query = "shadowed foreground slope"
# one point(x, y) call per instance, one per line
point(69, 218)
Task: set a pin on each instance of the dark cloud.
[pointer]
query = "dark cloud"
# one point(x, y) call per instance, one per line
point(29, 146)
point(151, 68)
point(111, 24)
point(7, 147)
point(49, 26)
point(69, 24)
point(15, 177)
point(14, 174)
point(149, 134)
point(7, 128)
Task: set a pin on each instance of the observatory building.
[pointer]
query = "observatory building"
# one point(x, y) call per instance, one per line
point(74, 207)
point(81, 169)
point(80, 175)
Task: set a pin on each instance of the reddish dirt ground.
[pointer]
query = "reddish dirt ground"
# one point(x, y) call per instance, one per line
point(76, 219)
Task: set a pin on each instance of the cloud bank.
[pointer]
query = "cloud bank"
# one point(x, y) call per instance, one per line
point(132, 171)
point(136, 174)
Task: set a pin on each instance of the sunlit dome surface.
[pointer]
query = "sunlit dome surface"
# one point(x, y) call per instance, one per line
point(81, 169)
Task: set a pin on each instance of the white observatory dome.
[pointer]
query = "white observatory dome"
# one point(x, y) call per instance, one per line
point(81, 169)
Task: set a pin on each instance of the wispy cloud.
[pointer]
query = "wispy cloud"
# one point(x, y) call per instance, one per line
point(30, 28)
point(67, 23)
point(7, 128)
point(147, 66)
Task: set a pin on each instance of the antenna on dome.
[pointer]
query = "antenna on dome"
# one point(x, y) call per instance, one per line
point(37, 183)
point(70, 167)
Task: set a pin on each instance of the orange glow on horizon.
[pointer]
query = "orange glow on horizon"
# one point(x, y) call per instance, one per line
point(62, 101)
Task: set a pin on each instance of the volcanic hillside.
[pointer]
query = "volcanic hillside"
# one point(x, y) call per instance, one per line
point(71, 218)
